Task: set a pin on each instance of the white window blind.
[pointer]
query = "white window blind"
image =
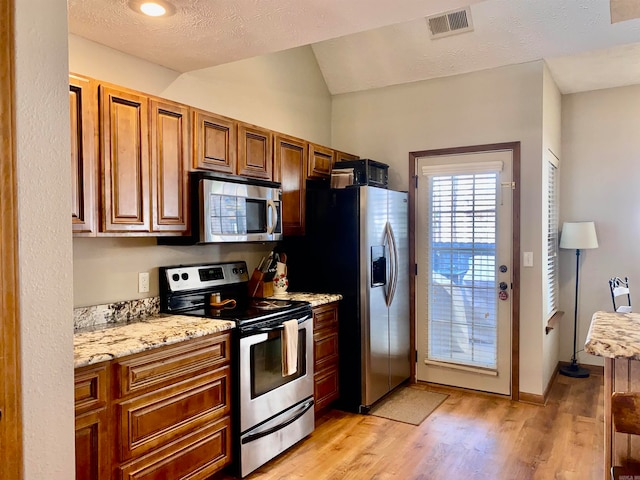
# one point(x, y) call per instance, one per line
point(551, 264)
point(462, 271)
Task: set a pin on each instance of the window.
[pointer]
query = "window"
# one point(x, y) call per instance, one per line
point(551, 212)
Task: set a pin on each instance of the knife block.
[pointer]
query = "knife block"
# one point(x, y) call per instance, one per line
point(258, 287)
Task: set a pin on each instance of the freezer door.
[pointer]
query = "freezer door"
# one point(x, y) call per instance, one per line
point(373, 290)
point(399, 323)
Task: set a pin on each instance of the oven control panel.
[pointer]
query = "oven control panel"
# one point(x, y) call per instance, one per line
point(193, 277)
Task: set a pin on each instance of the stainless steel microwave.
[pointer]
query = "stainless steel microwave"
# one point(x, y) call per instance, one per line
point(232, 209)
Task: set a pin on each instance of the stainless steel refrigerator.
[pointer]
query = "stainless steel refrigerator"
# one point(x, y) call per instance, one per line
point(357, 244)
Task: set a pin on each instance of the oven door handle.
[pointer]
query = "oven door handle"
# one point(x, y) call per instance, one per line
point(296, 414)
point(277, 327)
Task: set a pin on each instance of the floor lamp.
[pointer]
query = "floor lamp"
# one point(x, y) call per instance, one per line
point(578, 236)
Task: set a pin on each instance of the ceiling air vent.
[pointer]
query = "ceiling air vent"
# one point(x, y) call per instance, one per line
point(450, 23)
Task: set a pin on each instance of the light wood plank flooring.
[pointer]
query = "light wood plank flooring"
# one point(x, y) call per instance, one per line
point(469, 436)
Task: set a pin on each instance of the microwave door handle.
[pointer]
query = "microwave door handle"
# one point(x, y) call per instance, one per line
point(274, 216)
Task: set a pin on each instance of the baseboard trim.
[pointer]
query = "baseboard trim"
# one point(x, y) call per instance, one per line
point(540, 399)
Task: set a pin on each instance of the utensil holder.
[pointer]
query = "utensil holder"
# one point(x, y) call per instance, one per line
point(258, 287)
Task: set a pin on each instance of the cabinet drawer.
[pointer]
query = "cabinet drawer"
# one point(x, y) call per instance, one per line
point(90, 388)
point(196, 456)
point(326, 388)
point(155, 419)
point(325, 316)
point(325, 348)
point(148, 371)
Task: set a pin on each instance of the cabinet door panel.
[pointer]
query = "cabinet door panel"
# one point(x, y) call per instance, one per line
point(153, 420)
point(290, 167)
point(255, 151)
point(125, 161)
point(343, 157)
point(320, 161)
point(325, 348)
point(169, 160)
point(92, 452)
point(326, 388)
point(214, 142)
point(82, 110)
point(196, 456)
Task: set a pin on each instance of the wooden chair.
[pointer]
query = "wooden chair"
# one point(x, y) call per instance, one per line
point(620, 288)
point(625, 413)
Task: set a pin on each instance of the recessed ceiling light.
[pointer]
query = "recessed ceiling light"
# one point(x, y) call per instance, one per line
point(154, 8)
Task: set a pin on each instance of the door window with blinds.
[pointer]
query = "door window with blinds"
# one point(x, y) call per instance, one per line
point(462, 284)
point(551, 210)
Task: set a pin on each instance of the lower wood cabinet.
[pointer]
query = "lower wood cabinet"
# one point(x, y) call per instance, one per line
point(325, 355)
point(161, 414)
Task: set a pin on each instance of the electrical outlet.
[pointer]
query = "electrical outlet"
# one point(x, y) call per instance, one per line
point(143, 282)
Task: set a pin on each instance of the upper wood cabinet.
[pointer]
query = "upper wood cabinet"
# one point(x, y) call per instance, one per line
point(290, 166)
point(214, 142)
point(320, 161)
point(144, 145)
point(255, 151)
point(343, 157)
point(124, 147)
point(169, 166)
point(82, 113)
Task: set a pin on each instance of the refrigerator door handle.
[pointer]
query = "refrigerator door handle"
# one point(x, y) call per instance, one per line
point(393, 263)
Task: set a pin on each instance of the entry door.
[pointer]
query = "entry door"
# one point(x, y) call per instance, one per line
point(464, 279)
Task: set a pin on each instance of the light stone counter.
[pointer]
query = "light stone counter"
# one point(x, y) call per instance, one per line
point(315, 299)
point(105, 332)
point(99, 344)
point(614, 335)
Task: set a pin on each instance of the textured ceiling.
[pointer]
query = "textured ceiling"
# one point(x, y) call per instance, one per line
point(363, 44)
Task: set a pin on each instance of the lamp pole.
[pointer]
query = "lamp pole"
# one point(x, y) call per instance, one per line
point(575, 370)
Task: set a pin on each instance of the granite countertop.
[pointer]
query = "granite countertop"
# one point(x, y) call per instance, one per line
point(315, 299)
point(105, 332)
point(614, 335)
point(99, 344)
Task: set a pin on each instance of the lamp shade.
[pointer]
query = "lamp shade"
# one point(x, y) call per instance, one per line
point(578, 235)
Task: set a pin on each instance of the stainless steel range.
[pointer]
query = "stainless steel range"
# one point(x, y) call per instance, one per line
point(273, 408)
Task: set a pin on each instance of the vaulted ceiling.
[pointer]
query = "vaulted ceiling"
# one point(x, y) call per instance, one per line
point(363, 44)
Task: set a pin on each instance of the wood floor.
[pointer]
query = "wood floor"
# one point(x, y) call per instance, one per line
point(469, 436)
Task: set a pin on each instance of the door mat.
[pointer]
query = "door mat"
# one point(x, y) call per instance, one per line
point(408, 405)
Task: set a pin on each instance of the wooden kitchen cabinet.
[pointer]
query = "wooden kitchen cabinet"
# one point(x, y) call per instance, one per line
point(144, 145)
point(160, 414)
point(172, 410)
point(214, 142)
point(169, 166)
point(124, 147)
point(83, 101)
point(255, 151)
point(290, 169)
point(92, 437)
point(325, 355)
point(343, 157)
point(320, 161)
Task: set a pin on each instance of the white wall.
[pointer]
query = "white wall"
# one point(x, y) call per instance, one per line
point(284, 91)
point(497, 105)
point(600, 182)
point(551, 142)
point(44, 232)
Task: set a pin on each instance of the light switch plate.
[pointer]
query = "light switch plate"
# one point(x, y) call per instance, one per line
point(143, 282)
point(527, 259)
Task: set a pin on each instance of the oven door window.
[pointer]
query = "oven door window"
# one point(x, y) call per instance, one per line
point(256, 215)
point(266, 364)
